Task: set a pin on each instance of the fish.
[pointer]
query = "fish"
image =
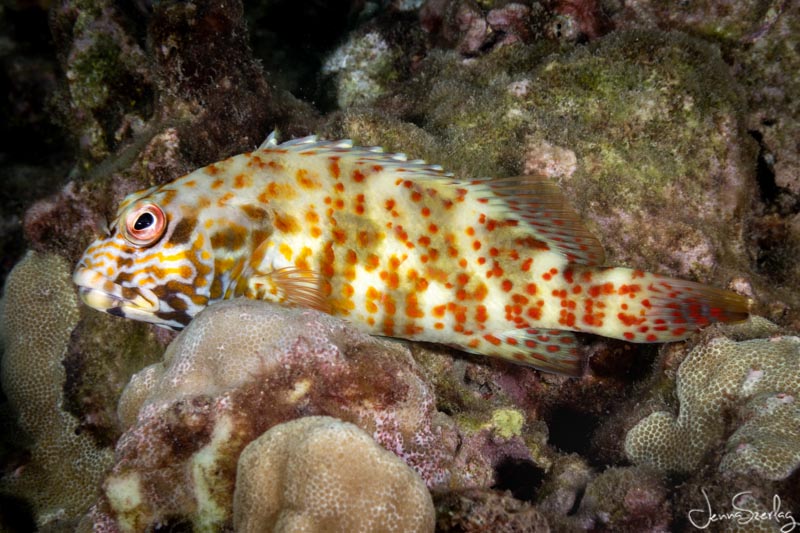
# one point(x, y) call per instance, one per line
point(502, 267)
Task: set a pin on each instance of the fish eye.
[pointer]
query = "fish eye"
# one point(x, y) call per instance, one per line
point(144, 224)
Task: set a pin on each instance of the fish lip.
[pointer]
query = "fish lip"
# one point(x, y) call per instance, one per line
point(100, 292)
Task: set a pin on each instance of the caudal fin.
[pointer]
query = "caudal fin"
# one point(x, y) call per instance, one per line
point(652, 308)
point(681, 307)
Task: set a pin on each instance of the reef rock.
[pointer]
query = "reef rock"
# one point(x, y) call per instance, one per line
point(476, 511)
point(753, 382)
point(240, 368)
point(319, 474)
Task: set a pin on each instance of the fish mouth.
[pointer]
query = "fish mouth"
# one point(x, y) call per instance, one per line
point(101, 293)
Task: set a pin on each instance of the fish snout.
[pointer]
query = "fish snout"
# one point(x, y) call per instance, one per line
point(101, 293)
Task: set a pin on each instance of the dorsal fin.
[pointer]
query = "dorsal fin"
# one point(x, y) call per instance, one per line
point(416, 169)
point(270, 142)
point(540, 203)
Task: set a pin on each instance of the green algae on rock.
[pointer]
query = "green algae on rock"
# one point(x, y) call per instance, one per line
point(109, 89)
point(755, 382)
point(40, 311)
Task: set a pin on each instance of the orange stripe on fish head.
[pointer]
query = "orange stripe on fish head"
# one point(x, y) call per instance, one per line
point(155, 264)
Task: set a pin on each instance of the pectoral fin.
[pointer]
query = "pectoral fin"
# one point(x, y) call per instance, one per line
point(291, 285)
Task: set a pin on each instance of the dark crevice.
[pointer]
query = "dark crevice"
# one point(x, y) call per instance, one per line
point(775, 246)
point(764, 173)
point(571, 430)
point(520, 476)
point(174, 525)
point(577, 503)
point(16, 515)
point(292, 40)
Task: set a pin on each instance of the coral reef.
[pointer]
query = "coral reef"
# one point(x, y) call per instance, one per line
point(475, 511)
point(764, 444)
point(760, 43)
point(618, 499)
point(624, 499)
point(472, 28)
point(322, 474)
point(216, 392)
point(771, 62)
point(99, 58)
point(724, 21)
point(672, 130)
point(102, 355)
point(754, 382)
point(40, 311)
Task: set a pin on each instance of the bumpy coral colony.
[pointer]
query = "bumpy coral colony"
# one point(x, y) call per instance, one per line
point(500, 267)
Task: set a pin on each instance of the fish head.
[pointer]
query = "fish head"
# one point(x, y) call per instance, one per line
point(151, 264)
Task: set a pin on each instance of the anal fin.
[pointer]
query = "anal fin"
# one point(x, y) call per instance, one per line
point(549, 350)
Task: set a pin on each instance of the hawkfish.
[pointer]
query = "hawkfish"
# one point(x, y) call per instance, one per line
point(501, 267)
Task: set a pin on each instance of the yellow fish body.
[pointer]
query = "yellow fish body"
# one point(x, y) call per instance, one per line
point(500, 267)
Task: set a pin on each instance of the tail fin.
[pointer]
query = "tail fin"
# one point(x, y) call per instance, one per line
point(642, 307)
point(679, 308)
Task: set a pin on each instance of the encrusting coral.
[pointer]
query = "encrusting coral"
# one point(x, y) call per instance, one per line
point(319, 474)
point(215, 392)
point(754, 382)
point(40, 310)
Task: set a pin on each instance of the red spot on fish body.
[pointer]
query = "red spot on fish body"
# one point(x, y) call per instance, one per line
point(305, 181)
point(492, 339)
point(412, 307)
point(334, 166)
